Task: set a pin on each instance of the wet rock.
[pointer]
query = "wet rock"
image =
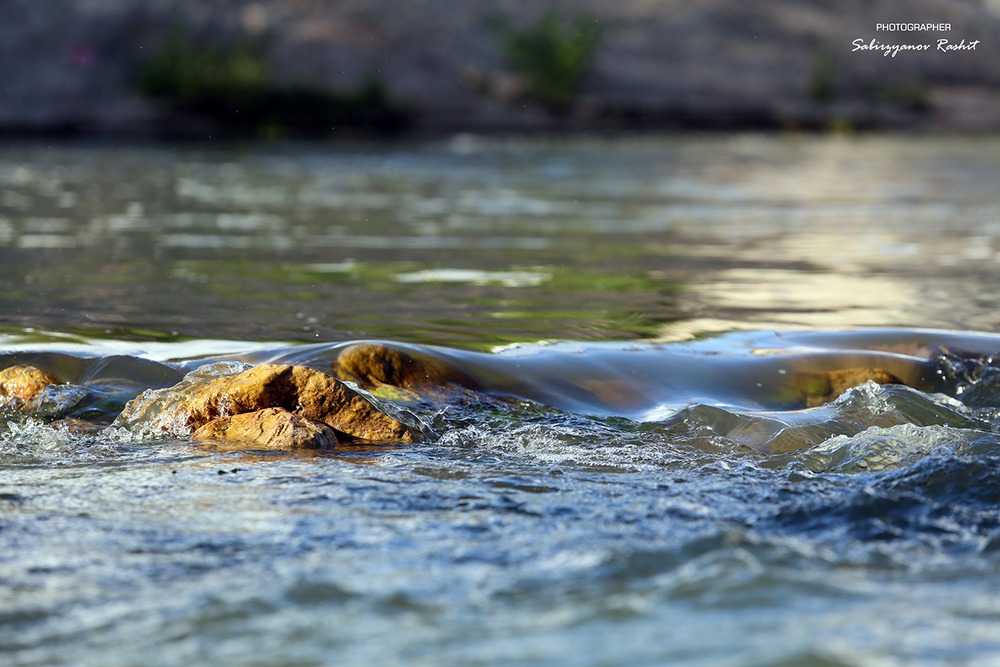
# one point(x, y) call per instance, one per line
point(305, 392)
point(57, 400)
point(42, 394)
point(373, 367)
point(842, 380)
point(23, 382)
point(75, 426)
point(822, 387)
point(270, 428)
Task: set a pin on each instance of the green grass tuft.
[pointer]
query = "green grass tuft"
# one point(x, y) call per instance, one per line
point(230, 85)
point(550, 56)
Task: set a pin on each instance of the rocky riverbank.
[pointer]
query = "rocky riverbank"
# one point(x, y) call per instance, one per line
point(431, 66)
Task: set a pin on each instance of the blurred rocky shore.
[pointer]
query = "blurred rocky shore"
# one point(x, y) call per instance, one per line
point(331, 67)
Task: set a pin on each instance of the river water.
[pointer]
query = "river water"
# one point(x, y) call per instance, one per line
point(633, 484)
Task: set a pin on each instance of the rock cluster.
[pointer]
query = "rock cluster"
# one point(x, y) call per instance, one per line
point(270, 407)
point(285, 407)
point(262, 407)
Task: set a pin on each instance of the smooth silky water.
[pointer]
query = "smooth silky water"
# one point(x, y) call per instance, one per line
point(634, 484)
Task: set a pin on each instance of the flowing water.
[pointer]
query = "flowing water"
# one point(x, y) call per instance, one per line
point(636, 480)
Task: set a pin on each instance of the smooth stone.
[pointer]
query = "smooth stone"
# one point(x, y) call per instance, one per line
point(270, 428)
point(373, 366)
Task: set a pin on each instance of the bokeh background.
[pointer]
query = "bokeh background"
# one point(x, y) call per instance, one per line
point(278, 68)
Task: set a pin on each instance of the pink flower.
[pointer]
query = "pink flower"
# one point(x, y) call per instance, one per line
point(81, 55)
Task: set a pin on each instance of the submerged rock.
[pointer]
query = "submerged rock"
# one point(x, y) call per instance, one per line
point(375, 367)
point(270, 428)
point(40, 393)
point(24, 382)
point(58, 400)
point(303, 392)
point(822, 387)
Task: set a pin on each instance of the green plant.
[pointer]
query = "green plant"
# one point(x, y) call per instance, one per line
point(821, 87)
point(551, 57)
point(187, 74)
point(230, 85)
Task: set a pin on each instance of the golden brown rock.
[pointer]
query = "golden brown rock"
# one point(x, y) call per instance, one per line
point(24, 382)
point(843, 380)
point(822, 387)
point(303, 391)
point(270, 428)
point(372, 365)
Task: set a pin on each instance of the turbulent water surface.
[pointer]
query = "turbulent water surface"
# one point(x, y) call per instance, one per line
point(637, 479)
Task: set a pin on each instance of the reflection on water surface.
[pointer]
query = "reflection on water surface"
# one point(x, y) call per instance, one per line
point(478, 242)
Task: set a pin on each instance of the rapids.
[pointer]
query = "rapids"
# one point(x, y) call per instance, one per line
point(541, 522)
